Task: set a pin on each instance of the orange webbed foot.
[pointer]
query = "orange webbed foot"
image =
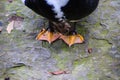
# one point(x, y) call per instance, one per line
point(47, 36)
point(72, 39)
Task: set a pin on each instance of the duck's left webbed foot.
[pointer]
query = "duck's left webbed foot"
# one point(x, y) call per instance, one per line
point(72, 37)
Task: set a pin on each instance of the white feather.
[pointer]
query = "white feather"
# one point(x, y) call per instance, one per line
point(57, 5)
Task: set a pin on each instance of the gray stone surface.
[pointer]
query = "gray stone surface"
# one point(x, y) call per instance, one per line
point(22, 57)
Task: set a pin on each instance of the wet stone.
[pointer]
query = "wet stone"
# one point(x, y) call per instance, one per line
point(22, 57)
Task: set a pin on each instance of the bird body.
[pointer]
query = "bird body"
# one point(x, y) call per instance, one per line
point(61, 12)
point(57, 10)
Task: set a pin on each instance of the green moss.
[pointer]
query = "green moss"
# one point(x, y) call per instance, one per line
point(76, 63)
point(61, 61)
point(82, 30)
point(2, 41)
point(105, 32)
point(81, 61)
point(101, 44)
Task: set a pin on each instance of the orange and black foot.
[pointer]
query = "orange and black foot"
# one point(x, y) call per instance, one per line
point(72, 39)
point(47, 36)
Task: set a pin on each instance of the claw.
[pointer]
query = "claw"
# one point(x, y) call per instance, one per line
point(72, 39)
point(47, 36)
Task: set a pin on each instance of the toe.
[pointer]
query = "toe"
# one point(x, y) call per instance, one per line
point(72, 39)
point(47, 36)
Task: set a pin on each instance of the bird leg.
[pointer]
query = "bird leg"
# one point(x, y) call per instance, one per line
point(60, 31)
point(72, 37)
point(48, 34)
